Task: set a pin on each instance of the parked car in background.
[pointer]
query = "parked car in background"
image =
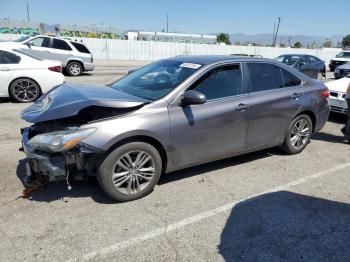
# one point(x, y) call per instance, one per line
point(342, 70)
point(74, 56)
point(337, 91)
point(132, 131)
point(307, 64)
point(24, 78)
point(340, 59)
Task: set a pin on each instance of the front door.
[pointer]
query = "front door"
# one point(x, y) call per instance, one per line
point(38, 47)
point(217, 127)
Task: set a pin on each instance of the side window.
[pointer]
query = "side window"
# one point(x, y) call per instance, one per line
point(222, 82)
point(60, 44)
point(81, 48)
point(289, 79)
point(314, 59)
point(9, 58)
point(41, 42)
point(264, 76)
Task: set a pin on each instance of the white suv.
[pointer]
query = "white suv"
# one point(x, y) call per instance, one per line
point(74, 56)
point(340, 59)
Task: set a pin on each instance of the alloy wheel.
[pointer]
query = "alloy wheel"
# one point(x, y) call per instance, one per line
point(300, 133)
point(133, 172)
point(75, 69)
point(25, 91)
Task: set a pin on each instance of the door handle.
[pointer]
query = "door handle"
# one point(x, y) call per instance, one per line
point(295, 95)
point(242, 107)
point(5, 69)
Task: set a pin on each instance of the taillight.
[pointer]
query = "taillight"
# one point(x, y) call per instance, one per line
point(56, 69)
point(325, 93)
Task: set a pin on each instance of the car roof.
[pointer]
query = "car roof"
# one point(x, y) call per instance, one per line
point(212, 59)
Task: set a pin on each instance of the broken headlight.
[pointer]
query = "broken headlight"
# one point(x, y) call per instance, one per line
point(60, 141)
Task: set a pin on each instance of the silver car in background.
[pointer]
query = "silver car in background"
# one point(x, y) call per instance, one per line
point(206, 108)
point(74, 56)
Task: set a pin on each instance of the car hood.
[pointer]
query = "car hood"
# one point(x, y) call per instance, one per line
point(340, 59)
point(68, 100)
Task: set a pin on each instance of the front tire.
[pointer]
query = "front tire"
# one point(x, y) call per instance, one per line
point(298, 135)
point(74, 69)
point(24, 90)
point(130, 172)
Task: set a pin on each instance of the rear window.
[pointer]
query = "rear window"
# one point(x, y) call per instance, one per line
point(264, 77)
point(60, 44)
point(289, 79)
point(81, 48)
point(9, 58)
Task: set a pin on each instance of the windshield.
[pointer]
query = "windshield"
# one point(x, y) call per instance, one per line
point(288, 59)
point(156, 80)
point(22, 38)
point(343, 54)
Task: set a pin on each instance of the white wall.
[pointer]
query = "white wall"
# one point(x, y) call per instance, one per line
point(110, 49)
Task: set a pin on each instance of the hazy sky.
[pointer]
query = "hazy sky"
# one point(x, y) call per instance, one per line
point(310, 17)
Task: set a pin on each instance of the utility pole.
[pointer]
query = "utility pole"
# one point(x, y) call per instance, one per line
point(28, 18)
point(278, 26)
point(273, 34)
point(167, 23)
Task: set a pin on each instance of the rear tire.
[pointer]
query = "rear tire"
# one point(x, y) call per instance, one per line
point(74, 69)
point(24, 90)
point(298, 135)
point(130, 172)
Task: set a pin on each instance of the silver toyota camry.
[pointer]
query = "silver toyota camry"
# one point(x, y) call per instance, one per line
point(169, 115)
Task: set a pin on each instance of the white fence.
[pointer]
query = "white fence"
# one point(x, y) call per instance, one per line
point(110, 49)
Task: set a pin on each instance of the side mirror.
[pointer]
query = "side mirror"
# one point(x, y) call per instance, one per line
point(192, 97)
point(28, 43)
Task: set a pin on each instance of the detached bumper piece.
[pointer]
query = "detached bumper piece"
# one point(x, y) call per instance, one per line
point(76, 163)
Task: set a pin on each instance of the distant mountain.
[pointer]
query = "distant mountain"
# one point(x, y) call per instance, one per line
point(266, 39)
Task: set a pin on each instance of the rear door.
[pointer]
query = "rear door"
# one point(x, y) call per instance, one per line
point(274, 101)
point(219, 126)
point(309, 67)
point(60, 51)
point(8, 64)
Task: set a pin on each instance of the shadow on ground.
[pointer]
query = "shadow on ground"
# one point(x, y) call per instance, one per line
point(285, 226)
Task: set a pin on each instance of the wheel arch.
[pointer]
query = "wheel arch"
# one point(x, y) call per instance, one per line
point(77, 61)
point(146, 139)
point(312, 116)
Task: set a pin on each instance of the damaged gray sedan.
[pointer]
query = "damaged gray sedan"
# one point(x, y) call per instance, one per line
point(169, 115)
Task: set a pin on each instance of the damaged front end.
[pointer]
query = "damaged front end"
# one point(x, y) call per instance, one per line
point(78, 160)
point(54, 144)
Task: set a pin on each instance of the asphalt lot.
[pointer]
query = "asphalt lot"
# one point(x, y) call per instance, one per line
point(265, 206)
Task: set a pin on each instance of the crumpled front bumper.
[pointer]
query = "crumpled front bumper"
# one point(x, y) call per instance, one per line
point(41, 163)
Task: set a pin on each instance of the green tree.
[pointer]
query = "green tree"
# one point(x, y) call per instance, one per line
point(223, 38)
point(346, 41)
point(298, 45)
point(328, 43)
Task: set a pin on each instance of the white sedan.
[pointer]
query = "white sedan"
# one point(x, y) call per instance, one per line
point(24, 78)
point(337, 90)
